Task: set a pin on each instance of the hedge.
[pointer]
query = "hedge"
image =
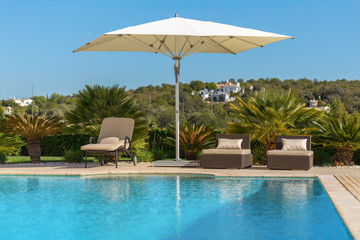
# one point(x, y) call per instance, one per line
point(57, 145)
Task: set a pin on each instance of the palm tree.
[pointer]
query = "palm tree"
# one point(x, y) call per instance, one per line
point(270, 113)
point(194, 138)
point(95, 103)
point(32, 128)
point(341, 132)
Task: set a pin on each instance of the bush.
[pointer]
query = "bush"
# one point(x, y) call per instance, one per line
point(2, 158)
point(356, 157)
point(144, 156)
point(257, 150)
point(57, 145)
point(74, 156)
point(322, 156)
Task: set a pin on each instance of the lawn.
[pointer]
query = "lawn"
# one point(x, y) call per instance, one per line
point(26, 159)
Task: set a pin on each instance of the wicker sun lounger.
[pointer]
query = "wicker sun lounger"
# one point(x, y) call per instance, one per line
point(228, 158)
point(115, 136)
point(285, 159)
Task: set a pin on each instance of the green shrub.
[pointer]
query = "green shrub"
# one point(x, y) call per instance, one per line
point(74, 156)
point(58, 144)
point(356, 157)
point(159, 154)
point(2, 158)
point(322, 156)
point(257, 150)
point(144, 156)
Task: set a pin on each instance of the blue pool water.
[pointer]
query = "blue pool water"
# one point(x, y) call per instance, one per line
point(166, 207)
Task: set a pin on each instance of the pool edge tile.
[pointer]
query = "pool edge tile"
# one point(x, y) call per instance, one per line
point(350, 211)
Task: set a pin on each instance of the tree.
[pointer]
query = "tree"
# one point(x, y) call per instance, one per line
point(270, 113)
point(197, 85)
point(211, 86)
point(32, 128)
point(338, 109)
point(95, 103)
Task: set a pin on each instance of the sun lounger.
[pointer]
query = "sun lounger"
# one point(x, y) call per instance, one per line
point(115, 136)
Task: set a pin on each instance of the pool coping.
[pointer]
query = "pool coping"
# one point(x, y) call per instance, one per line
point(345, 203)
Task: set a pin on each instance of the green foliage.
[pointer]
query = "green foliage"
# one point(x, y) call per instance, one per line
point(95, 103)
point(74, 156)
point(2, 158)
point(257, 149)
point(356, 157)
point(10, 144)
point(139, 145)
point(57, 145)
point(158, 138)
point(32, 128)
point(322, 156)
point(144, 156)
point(197, 85)
point(337, 109)
point(270, 113)
point(340, 132)
point(211, 86)
point(193, 139)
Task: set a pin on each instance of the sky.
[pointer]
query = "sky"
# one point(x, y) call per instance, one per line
point(37, 39)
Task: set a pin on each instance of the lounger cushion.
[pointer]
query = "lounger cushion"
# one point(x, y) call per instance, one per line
point(103, 147)
point(294, 144)
point(109, 140)
point(290, 153)
point(225, 143)
point(226, 151)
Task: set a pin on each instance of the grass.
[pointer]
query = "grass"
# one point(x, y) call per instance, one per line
point(26, 159)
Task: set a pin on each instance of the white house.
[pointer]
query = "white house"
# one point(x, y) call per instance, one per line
point(222, 93)
point(22, 102)
point(8, 110)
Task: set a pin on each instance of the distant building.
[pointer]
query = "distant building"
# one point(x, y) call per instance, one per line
point(22, 102)
point(8, 110)
point(222, 93)
point(313, 103)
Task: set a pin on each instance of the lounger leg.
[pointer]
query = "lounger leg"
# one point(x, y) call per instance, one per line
point(116, 153)
point(85, 159)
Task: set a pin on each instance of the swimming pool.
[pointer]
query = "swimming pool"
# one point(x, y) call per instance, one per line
point(166, 207)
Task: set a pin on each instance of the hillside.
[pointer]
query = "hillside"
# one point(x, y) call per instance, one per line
point(157, 102)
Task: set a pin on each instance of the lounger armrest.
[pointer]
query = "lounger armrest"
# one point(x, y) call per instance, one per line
point(91, 140)
point(127, 141)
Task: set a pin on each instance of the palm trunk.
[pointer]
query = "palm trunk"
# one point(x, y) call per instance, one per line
point(191, 155)
point(34, 150)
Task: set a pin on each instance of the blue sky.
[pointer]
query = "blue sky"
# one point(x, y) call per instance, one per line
point(37, 39)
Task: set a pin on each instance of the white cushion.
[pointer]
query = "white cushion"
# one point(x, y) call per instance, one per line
point(109, 140)
point(103, 147)
point(226, 151)
point(225, 143)
point(294, 144)
point(289, 153)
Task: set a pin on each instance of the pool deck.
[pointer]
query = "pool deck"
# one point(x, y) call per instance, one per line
point(341, 184)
